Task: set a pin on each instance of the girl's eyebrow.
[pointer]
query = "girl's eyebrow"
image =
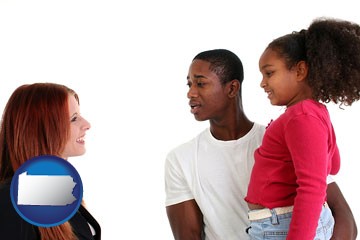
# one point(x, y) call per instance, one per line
point(265, 66)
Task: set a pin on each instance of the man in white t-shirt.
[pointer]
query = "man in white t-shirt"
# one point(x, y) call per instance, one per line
point(206, 178)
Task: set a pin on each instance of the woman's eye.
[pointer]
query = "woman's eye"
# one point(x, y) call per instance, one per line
point(74, 119)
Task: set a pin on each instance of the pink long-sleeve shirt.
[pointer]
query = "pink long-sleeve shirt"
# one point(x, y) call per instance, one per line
point(298, 151)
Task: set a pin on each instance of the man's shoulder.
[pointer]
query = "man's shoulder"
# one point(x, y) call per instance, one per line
point(188, 148)
point(190, 143)
point(256, 132)
point(259, 128)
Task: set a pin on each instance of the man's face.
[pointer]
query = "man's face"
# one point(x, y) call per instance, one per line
point(207, 95)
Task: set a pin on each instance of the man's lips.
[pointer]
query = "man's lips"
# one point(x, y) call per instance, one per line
point(194, 106)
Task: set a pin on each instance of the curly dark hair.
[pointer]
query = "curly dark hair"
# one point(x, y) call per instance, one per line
point(331, 48)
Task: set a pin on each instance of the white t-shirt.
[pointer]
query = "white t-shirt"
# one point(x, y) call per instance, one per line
point(216, 174)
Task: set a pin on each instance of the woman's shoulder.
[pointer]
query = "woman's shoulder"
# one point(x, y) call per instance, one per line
point(5, 200)
point(85, 225)
point(12, 226)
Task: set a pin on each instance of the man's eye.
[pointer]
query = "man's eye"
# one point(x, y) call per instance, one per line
point(200, 84)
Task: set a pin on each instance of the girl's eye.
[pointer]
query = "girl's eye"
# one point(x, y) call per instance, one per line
point(269, 73)
point(74, 119)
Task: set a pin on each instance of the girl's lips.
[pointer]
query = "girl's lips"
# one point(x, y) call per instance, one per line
point(269, 93)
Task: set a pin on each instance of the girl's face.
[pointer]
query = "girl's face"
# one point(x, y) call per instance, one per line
point(75, 145)
point(283, 86)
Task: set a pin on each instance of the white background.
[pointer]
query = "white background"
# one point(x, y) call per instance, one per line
point(128, 60)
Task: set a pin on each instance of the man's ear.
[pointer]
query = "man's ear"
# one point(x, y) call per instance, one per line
point(234, 87)
point(302, 70)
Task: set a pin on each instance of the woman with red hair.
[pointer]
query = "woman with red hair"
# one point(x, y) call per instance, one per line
point(41, 119)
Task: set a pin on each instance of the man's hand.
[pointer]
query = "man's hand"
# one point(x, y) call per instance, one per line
point(345, 226)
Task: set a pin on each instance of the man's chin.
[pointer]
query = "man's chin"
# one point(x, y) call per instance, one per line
point(200, 118)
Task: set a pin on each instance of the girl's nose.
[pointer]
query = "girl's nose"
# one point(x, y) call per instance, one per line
point(263, 83)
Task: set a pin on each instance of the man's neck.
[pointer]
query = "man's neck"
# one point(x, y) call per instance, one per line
point(231, 130)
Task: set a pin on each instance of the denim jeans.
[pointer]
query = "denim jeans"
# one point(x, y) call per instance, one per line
point(276, 227)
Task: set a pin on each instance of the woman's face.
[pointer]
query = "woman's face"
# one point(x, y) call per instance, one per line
point(75, 145)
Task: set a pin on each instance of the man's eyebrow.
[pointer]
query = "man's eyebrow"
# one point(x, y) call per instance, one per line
point(196, 76)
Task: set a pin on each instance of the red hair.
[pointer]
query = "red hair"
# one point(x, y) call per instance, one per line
point(35, 122)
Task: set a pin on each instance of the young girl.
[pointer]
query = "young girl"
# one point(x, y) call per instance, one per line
point(287, 190)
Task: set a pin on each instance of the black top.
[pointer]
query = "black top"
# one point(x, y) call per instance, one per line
point(13, 227)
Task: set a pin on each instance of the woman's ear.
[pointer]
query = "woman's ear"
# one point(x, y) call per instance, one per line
point(302, 70)
point(234, 87)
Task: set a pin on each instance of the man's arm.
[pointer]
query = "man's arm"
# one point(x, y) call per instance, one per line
point(186, 220)
point(345, 225)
